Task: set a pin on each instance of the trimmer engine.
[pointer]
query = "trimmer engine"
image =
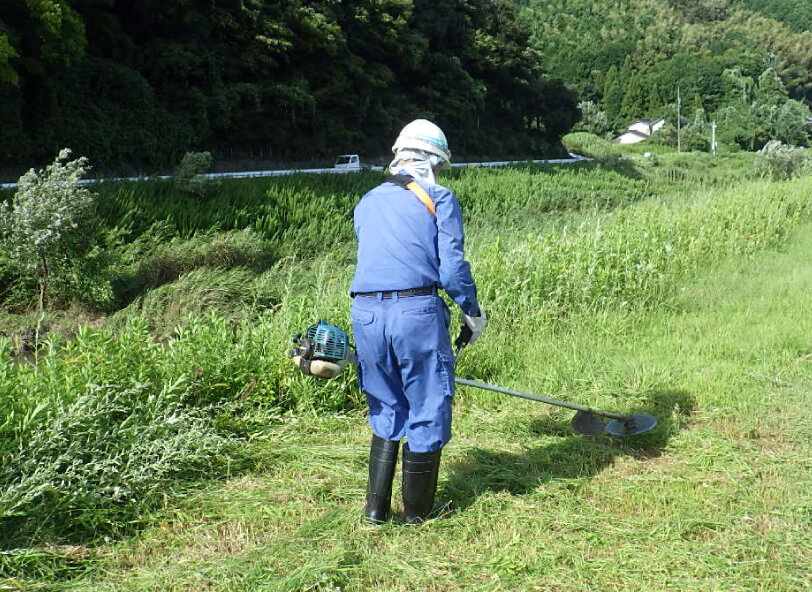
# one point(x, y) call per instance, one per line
point(322, 351)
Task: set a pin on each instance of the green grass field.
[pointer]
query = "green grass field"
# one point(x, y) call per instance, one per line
point(170, 445)
point(718, 498)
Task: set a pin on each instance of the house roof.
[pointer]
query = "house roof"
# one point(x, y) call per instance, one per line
point(634, 133)
point(648, 122)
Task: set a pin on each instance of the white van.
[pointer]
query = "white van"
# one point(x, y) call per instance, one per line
point(350, 162)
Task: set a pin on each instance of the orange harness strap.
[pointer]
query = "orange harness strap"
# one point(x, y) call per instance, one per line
point(421, 194)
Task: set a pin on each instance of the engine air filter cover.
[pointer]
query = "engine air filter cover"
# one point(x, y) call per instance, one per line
point(329, 342)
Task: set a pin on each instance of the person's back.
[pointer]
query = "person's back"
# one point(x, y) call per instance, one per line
point(397, 241)
point(402, 244)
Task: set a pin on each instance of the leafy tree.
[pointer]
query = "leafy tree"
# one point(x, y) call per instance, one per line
point(7, 74)
point(50, 30)
point(739, 124)
point(702, 10)
point(593, 120)
point(691, 138)
point(786, 121)
point(792, 51)
point(48, 228)
point(770, 90)
point(740, 84)
point(796, 15)
point(671, 43)
point(635, 99)
point(142, 83)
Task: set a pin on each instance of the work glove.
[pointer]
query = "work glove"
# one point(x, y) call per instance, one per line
point(475, 324)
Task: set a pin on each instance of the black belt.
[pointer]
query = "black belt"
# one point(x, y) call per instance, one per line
point(425, 291)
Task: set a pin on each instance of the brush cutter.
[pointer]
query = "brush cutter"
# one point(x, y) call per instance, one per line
point(585, 420)
point(325, 350)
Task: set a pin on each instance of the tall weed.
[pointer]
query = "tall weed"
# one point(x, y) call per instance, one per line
point(636, 257)
point(93, 435)
point(166, 261)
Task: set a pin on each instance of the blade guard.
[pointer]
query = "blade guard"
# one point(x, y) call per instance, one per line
point(632, 425)
point(587, 424)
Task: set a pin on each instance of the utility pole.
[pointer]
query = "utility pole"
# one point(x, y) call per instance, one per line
point(679, 144)
point(713, 137)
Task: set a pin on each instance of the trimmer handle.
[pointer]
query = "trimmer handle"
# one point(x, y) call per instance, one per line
point(463, 338)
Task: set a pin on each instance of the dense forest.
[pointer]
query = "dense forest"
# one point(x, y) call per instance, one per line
point(746, 64)
point(142, 82)
point(137, 84)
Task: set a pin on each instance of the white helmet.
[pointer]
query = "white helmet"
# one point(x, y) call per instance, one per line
point(423, 135)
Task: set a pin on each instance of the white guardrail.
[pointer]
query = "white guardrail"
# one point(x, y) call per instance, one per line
point(331, 171)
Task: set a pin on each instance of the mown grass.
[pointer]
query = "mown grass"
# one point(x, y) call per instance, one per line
point(716, 499)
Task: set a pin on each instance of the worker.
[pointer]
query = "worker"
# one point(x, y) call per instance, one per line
point(410, 245)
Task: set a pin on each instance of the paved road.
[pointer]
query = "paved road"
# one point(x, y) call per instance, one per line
point(330, 171)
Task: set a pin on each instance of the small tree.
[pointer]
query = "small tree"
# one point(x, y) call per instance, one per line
point(613, 90)
point(45, 228)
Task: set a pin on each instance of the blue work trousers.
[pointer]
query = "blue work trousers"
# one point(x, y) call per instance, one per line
point(406, 368)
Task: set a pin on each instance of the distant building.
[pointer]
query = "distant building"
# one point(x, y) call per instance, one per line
point(808, 121)
point(640, 130)
point(631, 137)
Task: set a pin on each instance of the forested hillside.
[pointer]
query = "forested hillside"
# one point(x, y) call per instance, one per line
point(747, 63)
point(797, 15)
point(139, 83)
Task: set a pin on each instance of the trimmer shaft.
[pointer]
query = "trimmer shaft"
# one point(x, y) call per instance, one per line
point(584, 421)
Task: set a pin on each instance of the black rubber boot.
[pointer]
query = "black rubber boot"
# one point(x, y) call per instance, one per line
point(420, 471)
point(383, 456)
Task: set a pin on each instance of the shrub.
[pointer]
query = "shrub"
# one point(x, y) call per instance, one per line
point(778, 161)
point(50, 232)
point(590, 145)
point(189, 178)
point(7, 274)
point(691, 138)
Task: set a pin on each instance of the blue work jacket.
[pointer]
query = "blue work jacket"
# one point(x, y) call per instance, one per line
point(401, 245)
